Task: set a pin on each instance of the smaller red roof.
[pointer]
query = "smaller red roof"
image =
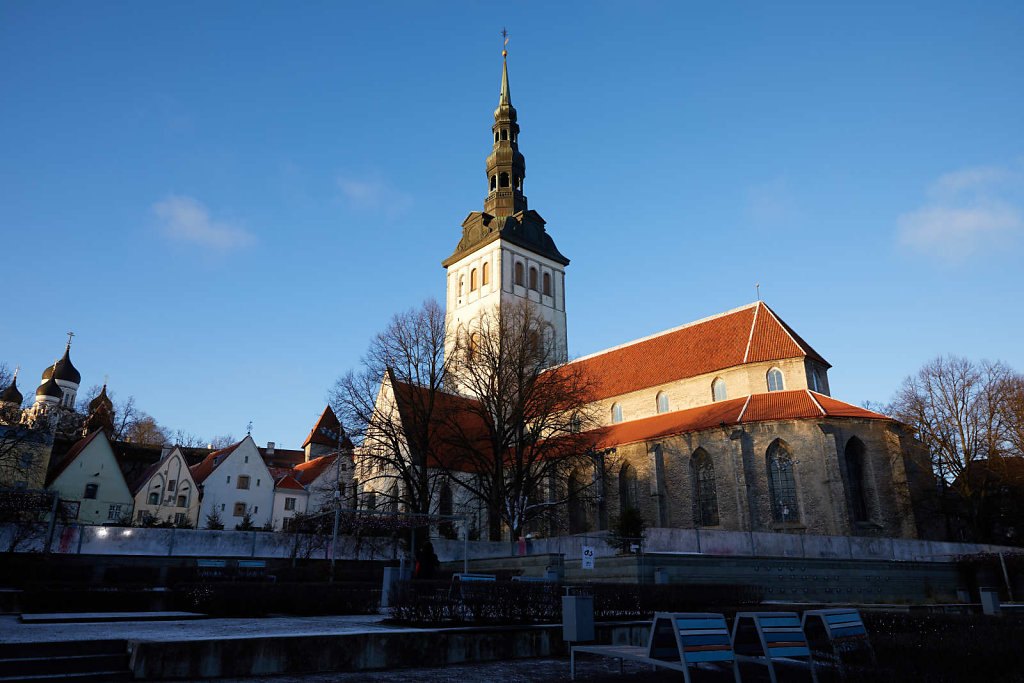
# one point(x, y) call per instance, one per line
point(327, 430)
point(204, 469)
point(287, 481)
point(308, 472)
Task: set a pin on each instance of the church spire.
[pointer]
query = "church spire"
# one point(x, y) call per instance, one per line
point(506, 167)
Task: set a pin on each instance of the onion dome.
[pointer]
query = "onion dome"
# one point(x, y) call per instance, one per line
point(11, 393)
point(101, 402)
point(50, 388)
point(63, 369)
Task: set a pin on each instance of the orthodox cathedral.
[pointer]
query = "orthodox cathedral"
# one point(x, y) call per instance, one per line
point(723, 423)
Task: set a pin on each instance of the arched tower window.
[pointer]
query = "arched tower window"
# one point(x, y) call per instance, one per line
point(705, 492)
point(495, 136)
point(662, 402)
point(616, 413)
point(503, 179)
point(627, 488)
point(485, 273)
point(547, 284)
point(781, 483)
point(504, 134)
point(519, 273)
point(472, 280)
point(533, 279)
point(718, 392)
point(775, 382)
point(855, 478)
point(494, 182)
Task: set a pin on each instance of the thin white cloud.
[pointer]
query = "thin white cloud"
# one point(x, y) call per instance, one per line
point(969, 211)
point(186, 219)
point(373, 195)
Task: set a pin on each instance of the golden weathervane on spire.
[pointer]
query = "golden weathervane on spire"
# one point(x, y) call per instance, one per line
point(504, 34)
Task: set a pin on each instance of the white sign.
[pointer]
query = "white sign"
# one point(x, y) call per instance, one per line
point(588, 557)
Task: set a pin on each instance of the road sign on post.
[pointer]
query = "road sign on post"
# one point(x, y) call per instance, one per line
point(588, 557)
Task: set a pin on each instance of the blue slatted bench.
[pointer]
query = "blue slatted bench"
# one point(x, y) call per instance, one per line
point(676, 641)
point(462, 584)
point(767, 637)
point(833, 633)
point(211, 569)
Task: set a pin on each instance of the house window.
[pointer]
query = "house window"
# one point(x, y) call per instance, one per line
point(229, 479)
point(90, 491)
point(775, 382)
point(182, 501)
point(519, 273)
point(171, 483)
point(142, 516)
point(222, 507)
point(247, 458)
point(289, 503)
point(662, 402)
point(154, 498)
point(255, 509)
point(705, 500)
point(472, 280)
point(855, 478)
point(257, 482)
point(239, 510)
point(179, 518)
point(718, 392)
point(243, 481)
point(616, 413)
point(781, 484)
point(533, 279)
point(485, 273)
point(547, 284)
point(114, 512)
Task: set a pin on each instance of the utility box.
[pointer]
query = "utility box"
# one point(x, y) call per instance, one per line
point(578, 618)
point(989, 600)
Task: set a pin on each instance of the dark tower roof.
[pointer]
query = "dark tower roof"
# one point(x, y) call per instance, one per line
point(505, 215)
point(102, 401)
point(63, 369)
point(50, 388)
point(11, 393)
point(101, 413)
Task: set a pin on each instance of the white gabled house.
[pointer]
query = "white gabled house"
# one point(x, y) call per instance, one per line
point(235, 480)
point(290, 498)
point(167, 492)
point(90, 479)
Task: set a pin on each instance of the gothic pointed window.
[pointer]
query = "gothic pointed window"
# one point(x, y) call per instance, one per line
point(547, 284)
point(485, 273)
point(781, 483)
point(718, 392)
point(854, 457)
point(533, 279)
point(775, 382)
point(472, 280)
point(705, 492)
point(519, 273)
point(616, 413)
point(662, 401)
point(627, 487)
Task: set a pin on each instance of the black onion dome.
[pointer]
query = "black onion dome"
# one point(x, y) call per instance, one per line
point(101, 402)
point(63, 369)
point(50, 388)
point(11, 393)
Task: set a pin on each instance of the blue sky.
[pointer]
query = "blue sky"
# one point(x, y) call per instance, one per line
point(225, 201)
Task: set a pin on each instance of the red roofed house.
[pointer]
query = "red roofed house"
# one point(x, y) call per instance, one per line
point(290, 497)
point(89, 477)
point(723, 423)
point(235, 481)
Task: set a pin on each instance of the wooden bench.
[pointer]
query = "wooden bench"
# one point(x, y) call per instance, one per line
point(211, 569)
point(676, 641)
point(770, 637)
point(834, 634)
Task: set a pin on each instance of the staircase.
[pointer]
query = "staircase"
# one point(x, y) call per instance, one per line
point(81, 660)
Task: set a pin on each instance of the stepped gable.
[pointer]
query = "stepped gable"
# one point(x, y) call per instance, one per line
point(752, 333)
point(795, 404)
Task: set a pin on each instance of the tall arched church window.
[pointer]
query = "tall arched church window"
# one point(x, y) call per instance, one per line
point(519, 273)
point(718, 392)
point(533, 279)
point(781, 483)
point(485, 273)
point(616, 413)
point(775, 382)
point(662, 402)
point(855, 479)
point(627, 488)
point(547, 284)
point(472, 280)
point(705, 492)
point(474, 344)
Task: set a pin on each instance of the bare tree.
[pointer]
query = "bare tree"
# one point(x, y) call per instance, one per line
point(963, 416)
point(520, 433)
point(394, 405)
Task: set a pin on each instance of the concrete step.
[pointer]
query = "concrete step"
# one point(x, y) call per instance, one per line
point(79, 617)
point(84, 677)
point(41, 666)
point(81, 660)
point(65, 648)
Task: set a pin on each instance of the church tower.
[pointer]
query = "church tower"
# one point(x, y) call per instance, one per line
point(505, 255)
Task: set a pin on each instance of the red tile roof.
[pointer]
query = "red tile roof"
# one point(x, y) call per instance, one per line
point(753, 333)
point(307, 472)
point(287, 481)
point(204, 469)
point(778, 405)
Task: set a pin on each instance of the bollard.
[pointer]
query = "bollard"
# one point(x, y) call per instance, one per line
point(577, 618)
point(989, 600)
